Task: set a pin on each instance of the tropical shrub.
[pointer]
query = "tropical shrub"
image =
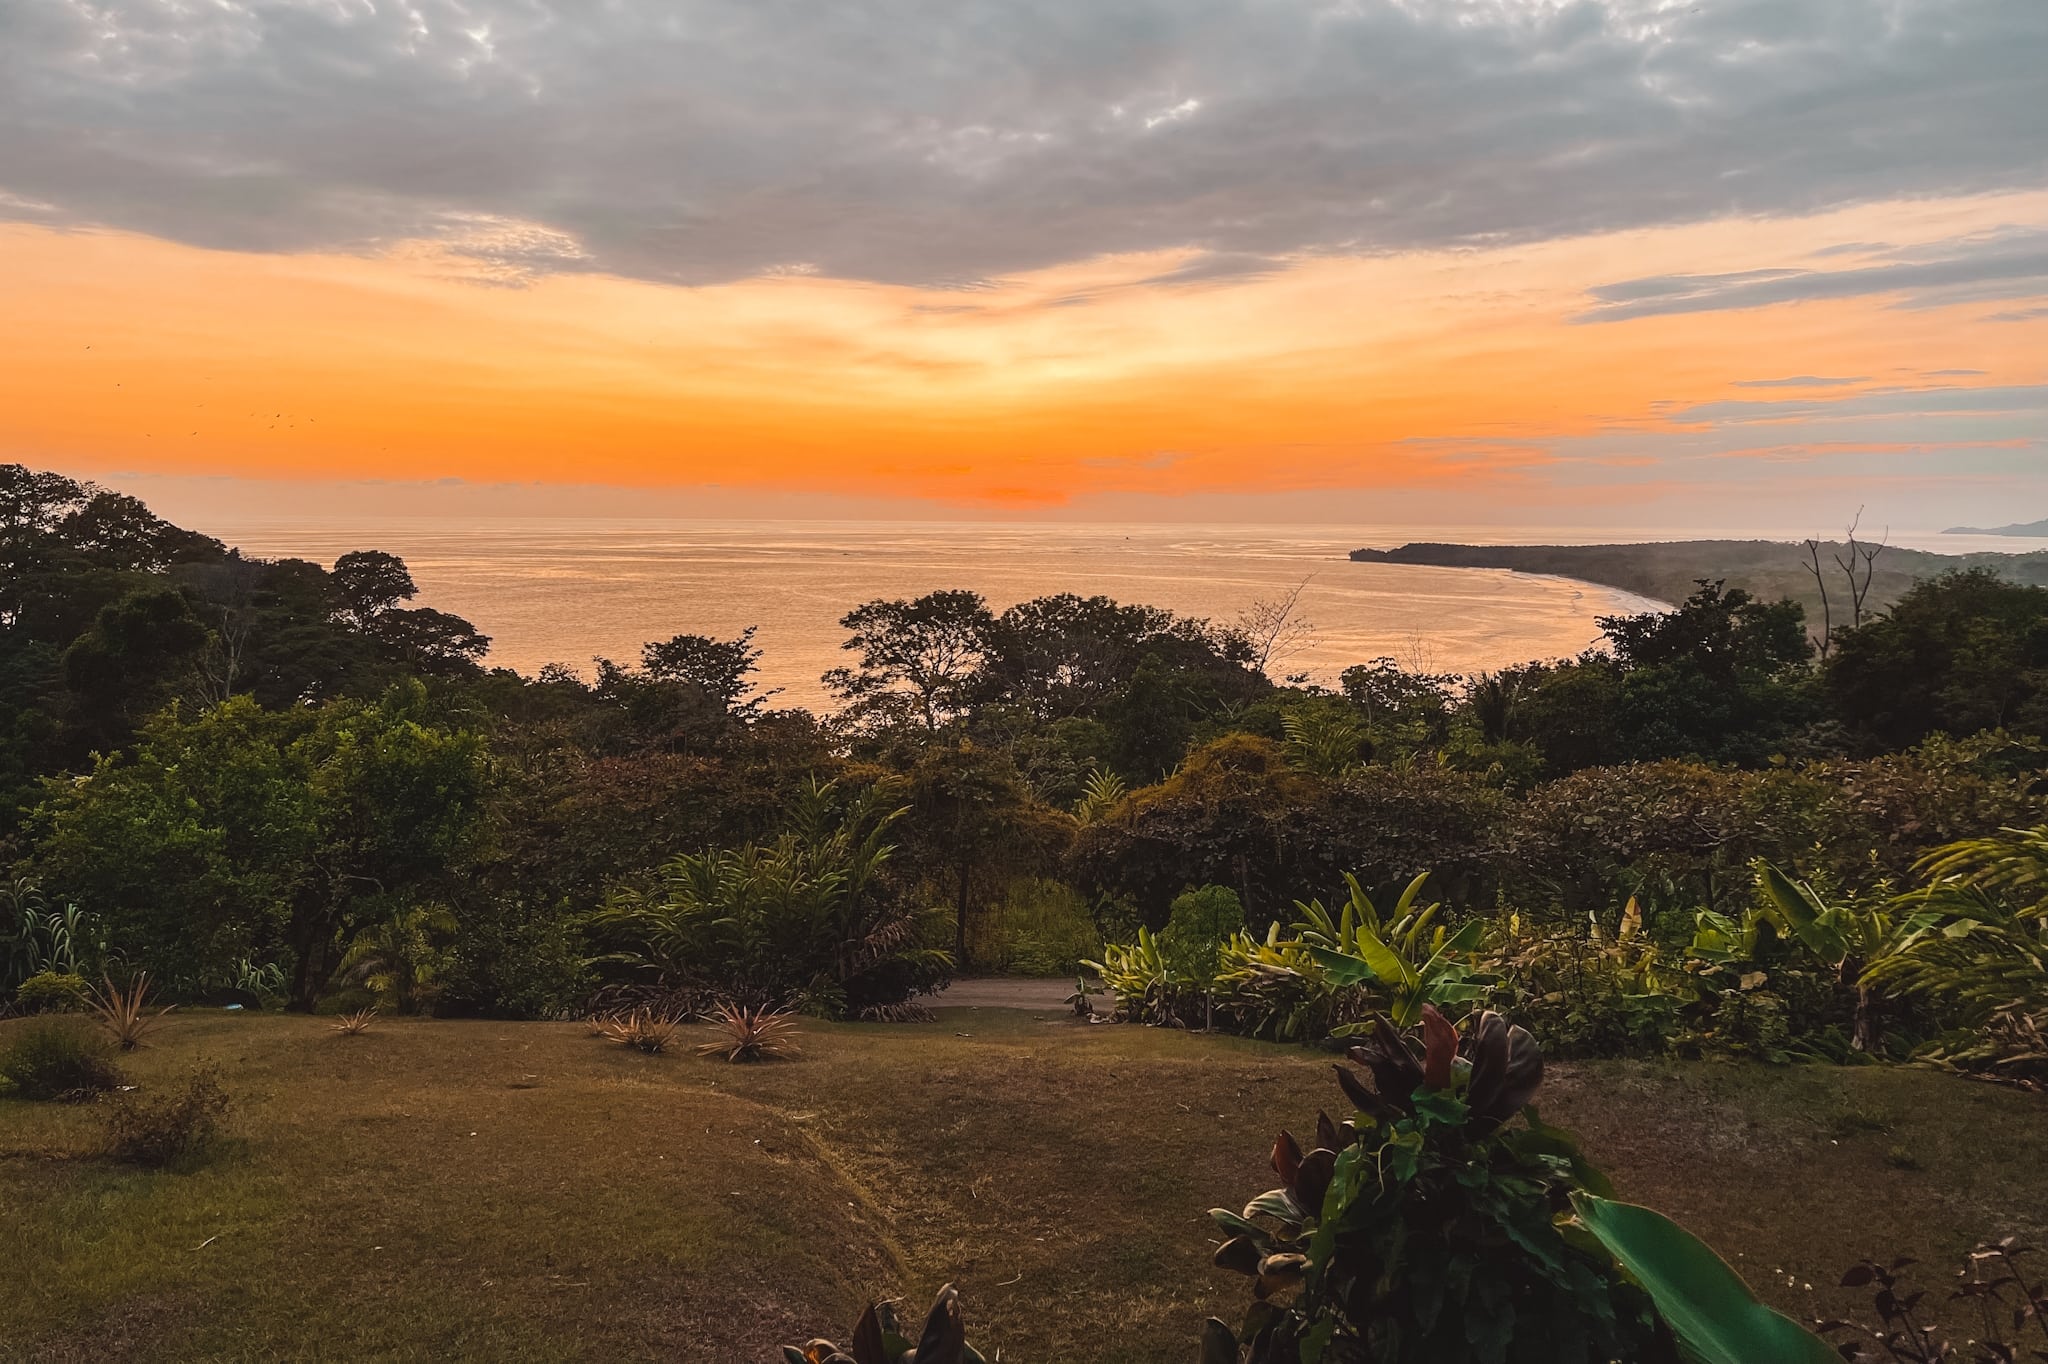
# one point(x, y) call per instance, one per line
point(1275, 988)
point(1146, 986)
point(806, 921)
point(516, 958)
point(237, 832)
point(174, 1129)
point(57, 1058)
point(402, 958)
point(1410, 956)
point(36, 940)
point(1430, 1226)
point(1335, 970)
point(1321, 979)
point(48, 992)
point(1041, 927)
point(1590, 992)
point(1198, 923)
point(1239, 813)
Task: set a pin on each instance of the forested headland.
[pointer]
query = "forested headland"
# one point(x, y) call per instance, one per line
point(1668, 571)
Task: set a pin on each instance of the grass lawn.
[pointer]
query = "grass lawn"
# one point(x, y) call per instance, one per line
point(523, 1191)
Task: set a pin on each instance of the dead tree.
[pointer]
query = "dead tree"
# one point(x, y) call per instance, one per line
point(1857, 562)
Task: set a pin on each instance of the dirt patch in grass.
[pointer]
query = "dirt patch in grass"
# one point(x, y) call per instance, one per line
point(443, 1190)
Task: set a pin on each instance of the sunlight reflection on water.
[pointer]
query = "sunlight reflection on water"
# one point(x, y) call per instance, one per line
point(566, 590)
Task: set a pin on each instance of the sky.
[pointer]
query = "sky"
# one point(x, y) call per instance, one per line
point(1734, 262)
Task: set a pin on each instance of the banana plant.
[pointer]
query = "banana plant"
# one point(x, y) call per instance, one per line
point(1415, 959)
point(1710, 1310)
point(1847, 939)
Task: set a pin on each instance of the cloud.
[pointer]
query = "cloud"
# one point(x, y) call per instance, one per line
point(698, 141)
point(1889, 404)
point(1803, 381)
point(2011, 263)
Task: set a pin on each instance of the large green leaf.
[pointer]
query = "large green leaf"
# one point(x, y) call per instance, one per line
point(1380, 961)
point(1810, 919)
point(1710, 1310)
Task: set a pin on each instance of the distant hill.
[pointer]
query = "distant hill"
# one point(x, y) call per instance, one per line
point(1667, 571)
point(2037, 529)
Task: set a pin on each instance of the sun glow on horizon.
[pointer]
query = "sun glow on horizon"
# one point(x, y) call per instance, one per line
point(1487, 371)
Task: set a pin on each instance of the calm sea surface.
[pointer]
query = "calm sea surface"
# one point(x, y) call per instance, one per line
point(568, 590)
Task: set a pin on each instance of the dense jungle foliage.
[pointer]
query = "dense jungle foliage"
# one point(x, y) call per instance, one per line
point(278, 782)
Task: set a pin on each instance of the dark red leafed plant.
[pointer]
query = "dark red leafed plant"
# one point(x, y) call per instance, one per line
point(2010, 1312)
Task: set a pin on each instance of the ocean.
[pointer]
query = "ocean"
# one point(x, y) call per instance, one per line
point(569, 590)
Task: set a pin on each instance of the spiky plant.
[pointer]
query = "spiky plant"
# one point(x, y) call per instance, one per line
point(125, 1013)
point(746, 1034)
point(642, 1030)
point(352, 1025)
point(1100, 796)
point(877, 1340)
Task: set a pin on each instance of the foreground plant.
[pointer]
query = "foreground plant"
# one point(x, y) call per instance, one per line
point(642, 1030)
point(1430, 1226)
point(125, 1013)
point(751, 1034)
point(876, 1340)
point(357, 1023)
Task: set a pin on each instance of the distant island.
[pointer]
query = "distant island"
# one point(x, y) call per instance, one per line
point(1667, 570)
point(2036, 529)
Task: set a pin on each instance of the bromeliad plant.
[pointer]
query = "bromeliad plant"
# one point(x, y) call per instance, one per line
point(751, 1034)
point(1431, 1226)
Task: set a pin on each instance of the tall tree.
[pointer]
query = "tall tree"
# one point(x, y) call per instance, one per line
point(925, 654)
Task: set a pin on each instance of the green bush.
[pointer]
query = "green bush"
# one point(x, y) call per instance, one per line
point(52, 992)
point(1041, 928)
point(58, 1058)
point(175, 1129)
point(517, 960)
point(1197, 925)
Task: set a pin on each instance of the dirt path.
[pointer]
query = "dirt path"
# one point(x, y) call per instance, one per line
point(1009, 992)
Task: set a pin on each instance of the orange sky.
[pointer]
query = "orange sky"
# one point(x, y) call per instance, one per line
point(1456, 370)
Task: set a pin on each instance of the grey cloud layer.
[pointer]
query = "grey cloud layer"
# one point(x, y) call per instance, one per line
point(695, 141)
point(2000, 265)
